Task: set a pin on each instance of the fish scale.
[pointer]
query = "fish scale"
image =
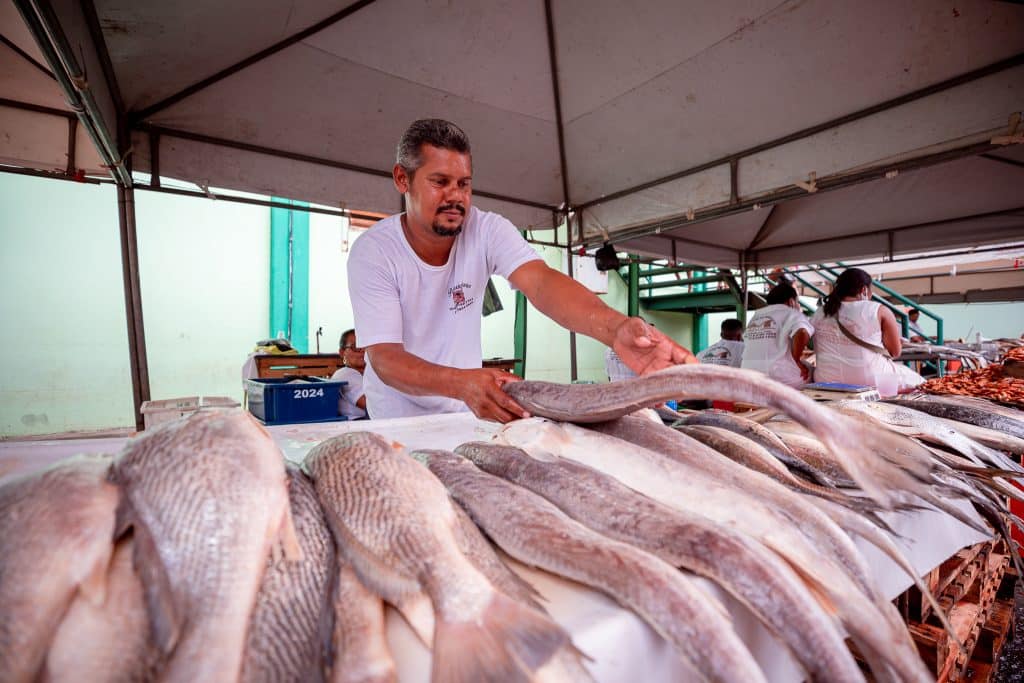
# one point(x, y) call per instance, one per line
point(55, 540)
point(536, 532)
point(206, 499)
point(872, 621)
point(284, 641)
point(394, 521)
point(745, 568)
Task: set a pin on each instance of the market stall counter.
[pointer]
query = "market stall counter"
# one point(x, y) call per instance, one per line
point(623, 648)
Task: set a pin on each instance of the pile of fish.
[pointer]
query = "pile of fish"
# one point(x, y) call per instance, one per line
point(197, 554)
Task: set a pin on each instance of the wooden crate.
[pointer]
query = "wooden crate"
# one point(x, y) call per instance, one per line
point(969, 587)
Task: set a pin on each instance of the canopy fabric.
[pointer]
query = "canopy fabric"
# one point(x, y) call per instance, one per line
point(703, 121)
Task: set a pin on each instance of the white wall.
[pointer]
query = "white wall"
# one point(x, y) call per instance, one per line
point(204, 279)
point(205, 291)
point(65, 344)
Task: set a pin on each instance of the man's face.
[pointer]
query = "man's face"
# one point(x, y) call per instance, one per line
point(913, 316)
point(439, 193)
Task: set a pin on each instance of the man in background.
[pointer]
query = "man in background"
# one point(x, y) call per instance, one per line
point(352, 402)
point(916, 333)
point(729, 349)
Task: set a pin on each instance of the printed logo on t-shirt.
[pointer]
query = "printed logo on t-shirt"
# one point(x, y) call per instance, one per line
point(460, 299)
point(762, 328)
point(719, 356)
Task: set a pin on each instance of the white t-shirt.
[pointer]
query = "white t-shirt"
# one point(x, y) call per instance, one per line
point(844, 361)
point(723, 352)
point(350, 393)
point(767, 347)
point(615, 368)
point(434, 311)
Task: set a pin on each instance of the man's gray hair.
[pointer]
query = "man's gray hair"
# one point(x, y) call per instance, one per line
point(436, 132)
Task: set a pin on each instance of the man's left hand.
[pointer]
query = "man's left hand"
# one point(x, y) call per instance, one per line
point(645, 350)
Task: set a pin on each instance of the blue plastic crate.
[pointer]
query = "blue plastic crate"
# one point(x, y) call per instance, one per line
point(281, 400)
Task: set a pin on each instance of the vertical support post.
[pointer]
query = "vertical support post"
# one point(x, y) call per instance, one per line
point(741, 307)
point(573, 372)
point(633, 306)
point(519, 335)
point(699, 334)
point(133, 300)
point(519, 330)
point(289, 274)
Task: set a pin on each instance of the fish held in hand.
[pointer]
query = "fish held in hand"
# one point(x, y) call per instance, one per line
point(602, 402)
point(206, 500)
point(56, 540)
point(400, 533)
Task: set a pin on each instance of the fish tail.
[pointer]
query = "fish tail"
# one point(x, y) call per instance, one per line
point(508, 642)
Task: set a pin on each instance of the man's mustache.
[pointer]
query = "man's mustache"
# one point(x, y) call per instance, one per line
point(448, 207)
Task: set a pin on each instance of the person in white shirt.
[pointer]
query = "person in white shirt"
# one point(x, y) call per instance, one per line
point(615, 368)
point(916, 333)
point(729, 349)
point(352, 402)
point(855, 338)
point(417, 282)
point(776, 337)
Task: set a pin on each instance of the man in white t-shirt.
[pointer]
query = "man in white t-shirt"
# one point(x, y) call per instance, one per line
point(352, 402)
point(417, 282)
point(729, 349)
point(776, 337)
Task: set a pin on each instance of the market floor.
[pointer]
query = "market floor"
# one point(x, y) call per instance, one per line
point(1011, 660)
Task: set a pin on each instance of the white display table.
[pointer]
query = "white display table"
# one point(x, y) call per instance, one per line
point(623, 647)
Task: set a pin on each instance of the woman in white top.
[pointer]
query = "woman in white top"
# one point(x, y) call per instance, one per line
point(855, 338)
point(776, 338)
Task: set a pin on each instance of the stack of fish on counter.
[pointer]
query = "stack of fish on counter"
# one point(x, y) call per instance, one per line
point(198, 555)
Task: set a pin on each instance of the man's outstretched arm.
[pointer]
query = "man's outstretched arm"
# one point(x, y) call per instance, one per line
point(642, 347)
point(478, 388)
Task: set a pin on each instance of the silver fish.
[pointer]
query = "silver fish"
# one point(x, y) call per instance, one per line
point(978, 412)
point(206, 499)
point(397, 526)
point(591, 403)
point(755, 432)
point(536, 532)
point(56, 540)
point(757, 577)
point(106, 643)
point(284, 641)
point(871, 620)
point(359, 648)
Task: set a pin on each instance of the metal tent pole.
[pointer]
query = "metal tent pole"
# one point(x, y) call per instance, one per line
point(133, 300)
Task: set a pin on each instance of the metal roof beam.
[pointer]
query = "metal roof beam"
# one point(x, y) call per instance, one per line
point(309, 159)
point(1003, 65)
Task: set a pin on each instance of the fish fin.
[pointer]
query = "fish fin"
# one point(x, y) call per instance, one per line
point(507, 642)
point(418, 612)
point(93, 587)
point(287, 545)
point(165, 615)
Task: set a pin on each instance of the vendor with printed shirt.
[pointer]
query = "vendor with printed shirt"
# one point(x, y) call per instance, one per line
point(417, 281)
point(776, 338)
point(352, 402)
point(728, 350)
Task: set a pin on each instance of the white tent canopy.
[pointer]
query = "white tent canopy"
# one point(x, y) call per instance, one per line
point(663, 116)
point(741, 132)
